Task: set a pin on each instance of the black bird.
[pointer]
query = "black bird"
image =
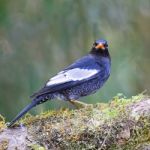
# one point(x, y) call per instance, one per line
point(84, 77)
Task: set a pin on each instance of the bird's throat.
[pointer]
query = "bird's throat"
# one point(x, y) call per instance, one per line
point(100, 52)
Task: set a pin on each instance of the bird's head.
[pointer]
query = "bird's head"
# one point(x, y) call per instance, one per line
point(100, 47)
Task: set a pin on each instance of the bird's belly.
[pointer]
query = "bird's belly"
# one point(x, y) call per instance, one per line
point(83, 89)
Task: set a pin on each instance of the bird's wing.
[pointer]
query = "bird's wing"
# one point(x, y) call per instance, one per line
point(67, 79)
point(77, 73)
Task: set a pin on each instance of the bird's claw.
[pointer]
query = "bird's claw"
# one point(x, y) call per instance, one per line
point(79, 104)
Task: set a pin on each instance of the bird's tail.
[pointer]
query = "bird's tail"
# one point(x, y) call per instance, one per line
point(23, 112)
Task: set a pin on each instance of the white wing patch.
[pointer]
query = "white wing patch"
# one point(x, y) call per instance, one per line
point(76, 74)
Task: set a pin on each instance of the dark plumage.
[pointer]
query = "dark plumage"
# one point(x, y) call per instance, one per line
point(84, 77)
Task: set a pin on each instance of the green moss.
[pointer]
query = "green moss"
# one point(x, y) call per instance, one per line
point(2, 123)
point(100, 126)
point(36, 147)
point(108, 110)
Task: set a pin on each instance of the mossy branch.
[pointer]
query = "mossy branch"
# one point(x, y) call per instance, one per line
point(121, 124)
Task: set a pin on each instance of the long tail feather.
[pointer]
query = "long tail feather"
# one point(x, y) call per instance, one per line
point(23, 112)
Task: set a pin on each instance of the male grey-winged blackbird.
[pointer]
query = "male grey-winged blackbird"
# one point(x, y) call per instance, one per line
point(84, 77)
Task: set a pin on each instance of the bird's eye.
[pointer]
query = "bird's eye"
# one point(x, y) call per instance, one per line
point(95, 44)
point(106, 45)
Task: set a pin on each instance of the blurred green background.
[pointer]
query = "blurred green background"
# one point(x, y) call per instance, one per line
point(40, 37)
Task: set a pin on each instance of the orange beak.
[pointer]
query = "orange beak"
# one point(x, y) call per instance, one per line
point(100, 46)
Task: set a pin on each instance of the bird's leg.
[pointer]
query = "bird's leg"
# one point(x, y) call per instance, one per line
point(79, 104)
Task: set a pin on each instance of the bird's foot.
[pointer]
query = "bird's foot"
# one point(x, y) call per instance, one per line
point(79, 104)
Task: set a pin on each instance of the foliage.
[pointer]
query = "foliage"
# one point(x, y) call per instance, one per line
point(39, 38)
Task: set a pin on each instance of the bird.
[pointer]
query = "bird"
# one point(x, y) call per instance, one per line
point(83, 77)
